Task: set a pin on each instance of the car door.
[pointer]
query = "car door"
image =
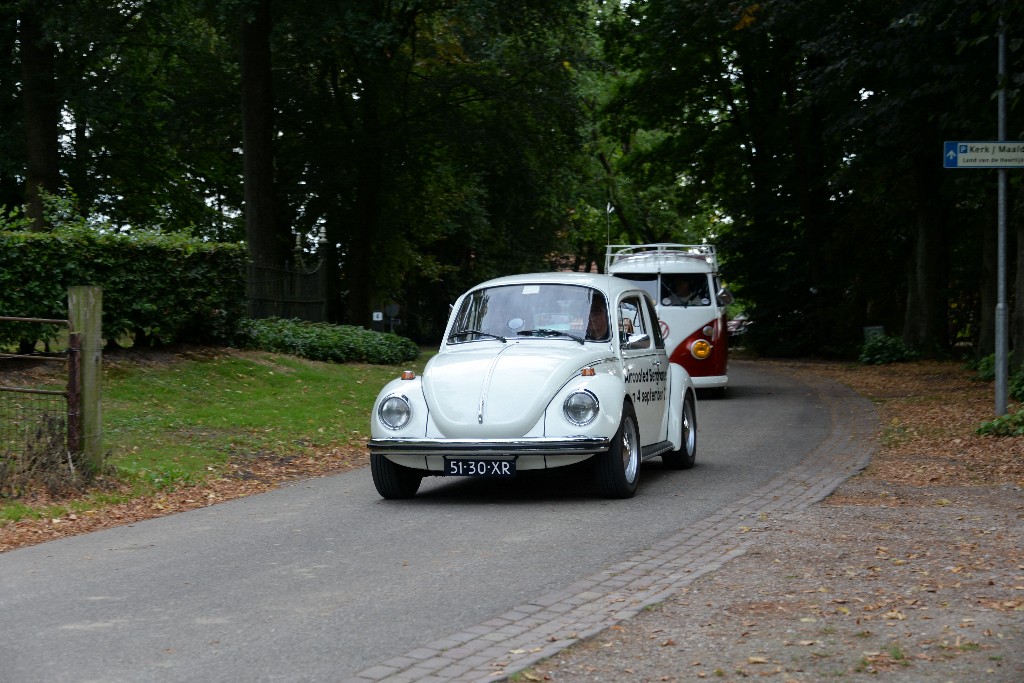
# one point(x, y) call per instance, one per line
point(645, 366)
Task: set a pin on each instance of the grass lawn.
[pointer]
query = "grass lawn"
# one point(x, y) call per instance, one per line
point(171, 420)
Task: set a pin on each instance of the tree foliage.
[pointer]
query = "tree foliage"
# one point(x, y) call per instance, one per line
point(440, 142)
point(817, 130)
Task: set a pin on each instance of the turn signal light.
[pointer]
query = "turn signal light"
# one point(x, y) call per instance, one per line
point(587, 372)
point(408, 374)
point(700, 349)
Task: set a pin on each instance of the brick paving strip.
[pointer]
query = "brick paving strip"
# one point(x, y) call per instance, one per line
point(543, 627)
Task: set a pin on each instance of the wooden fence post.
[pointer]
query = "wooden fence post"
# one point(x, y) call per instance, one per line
point(85, 312)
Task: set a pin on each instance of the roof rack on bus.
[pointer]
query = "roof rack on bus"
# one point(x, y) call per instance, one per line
point(658, 253)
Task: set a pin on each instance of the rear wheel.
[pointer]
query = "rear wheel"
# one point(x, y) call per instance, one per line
point(618, 469)
point(392, 480)
point(686, 456)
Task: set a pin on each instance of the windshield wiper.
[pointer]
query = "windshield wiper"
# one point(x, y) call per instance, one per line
point(545, 332)
point(466, 333)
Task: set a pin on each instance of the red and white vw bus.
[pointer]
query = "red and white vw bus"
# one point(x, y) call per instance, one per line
point(684, 281)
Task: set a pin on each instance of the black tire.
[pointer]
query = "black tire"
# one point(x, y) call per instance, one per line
point(394, 481)
point(618, 469)
point(685, 457)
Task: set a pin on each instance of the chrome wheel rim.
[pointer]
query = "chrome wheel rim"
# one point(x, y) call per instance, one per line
point(689, 433)
point(630, 450)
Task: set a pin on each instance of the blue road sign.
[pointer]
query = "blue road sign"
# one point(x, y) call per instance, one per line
point(991, 154)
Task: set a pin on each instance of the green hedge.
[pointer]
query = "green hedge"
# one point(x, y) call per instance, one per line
point(161, 288)
point(324, 342)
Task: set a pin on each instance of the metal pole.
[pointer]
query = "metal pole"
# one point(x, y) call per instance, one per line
point(1001, 314)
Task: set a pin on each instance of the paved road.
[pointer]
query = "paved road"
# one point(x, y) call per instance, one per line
point(324, 581)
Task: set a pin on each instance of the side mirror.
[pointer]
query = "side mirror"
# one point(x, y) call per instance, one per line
point(625, 330)
point(724, 296)
point(641, 342)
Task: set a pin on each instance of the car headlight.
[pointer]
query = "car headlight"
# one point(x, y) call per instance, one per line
point(581, 408)
point(700, 349)
point(394, 412)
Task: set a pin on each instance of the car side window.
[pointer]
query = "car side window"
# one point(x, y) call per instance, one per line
point(652, 314)
point(633, 329)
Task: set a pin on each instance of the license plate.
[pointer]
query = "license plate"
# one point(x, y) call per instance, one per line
point(475, 467)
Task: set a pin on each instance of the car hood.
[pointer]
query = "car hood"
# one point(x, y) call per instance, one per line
point(499, 391)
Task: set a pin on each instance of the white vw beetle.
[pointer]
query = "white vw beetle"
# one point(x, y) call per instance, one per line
point(539, 371)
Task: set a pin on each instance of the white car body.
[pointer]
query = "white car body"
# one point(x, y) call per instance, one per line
point(517, 386)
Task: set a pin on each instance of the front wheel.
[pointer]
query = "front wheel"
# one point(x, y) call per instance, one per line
point(686, 456)
point(618, 469)
point(392, 480)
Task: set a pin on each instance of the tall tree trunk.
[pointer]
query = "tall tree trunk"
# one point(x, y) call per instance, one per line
point(925, 323)
point(267, 244)
point(42, 114)
point(1016, 285)
point(12, 184)
point(359, 269)
point(986, 338)
point(332, 269)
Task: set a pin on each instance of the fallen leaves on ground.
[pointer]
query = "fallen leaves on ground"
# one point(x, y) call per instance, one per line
point(911, 571)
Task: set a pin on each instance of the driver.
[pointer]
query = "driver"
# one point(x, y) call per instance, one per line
point(682, 295)
point(597, 325)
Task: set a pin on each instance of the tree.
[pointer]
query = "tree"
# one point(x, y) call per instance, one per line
point(41, 109)
point(122, 104)
point(815, 128)
point(429, 139)
point(267, 243)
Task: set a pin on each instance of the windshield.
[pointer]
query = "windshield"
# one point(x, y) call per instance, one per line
point(674, 289)
point(532, 310)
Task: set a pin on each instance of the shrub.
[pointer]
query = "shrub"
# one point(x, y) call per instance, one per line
point(1006, 425)
point(985, 368)
point(882, 350)
point(985, 371)
point(324, 342)
point(1016, 387)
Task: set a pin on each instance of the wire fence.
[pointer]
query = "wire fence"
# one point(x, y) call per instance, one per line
point(22, 414)
point(39, 435)
point(33, 438)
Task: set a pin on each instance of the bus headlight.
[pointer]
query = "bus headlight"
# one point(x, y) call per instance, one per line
point(700, 349)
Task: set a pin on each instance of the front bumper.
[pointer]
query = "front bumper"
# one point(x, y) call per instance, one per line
point(572, 445)
point(710, 382)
